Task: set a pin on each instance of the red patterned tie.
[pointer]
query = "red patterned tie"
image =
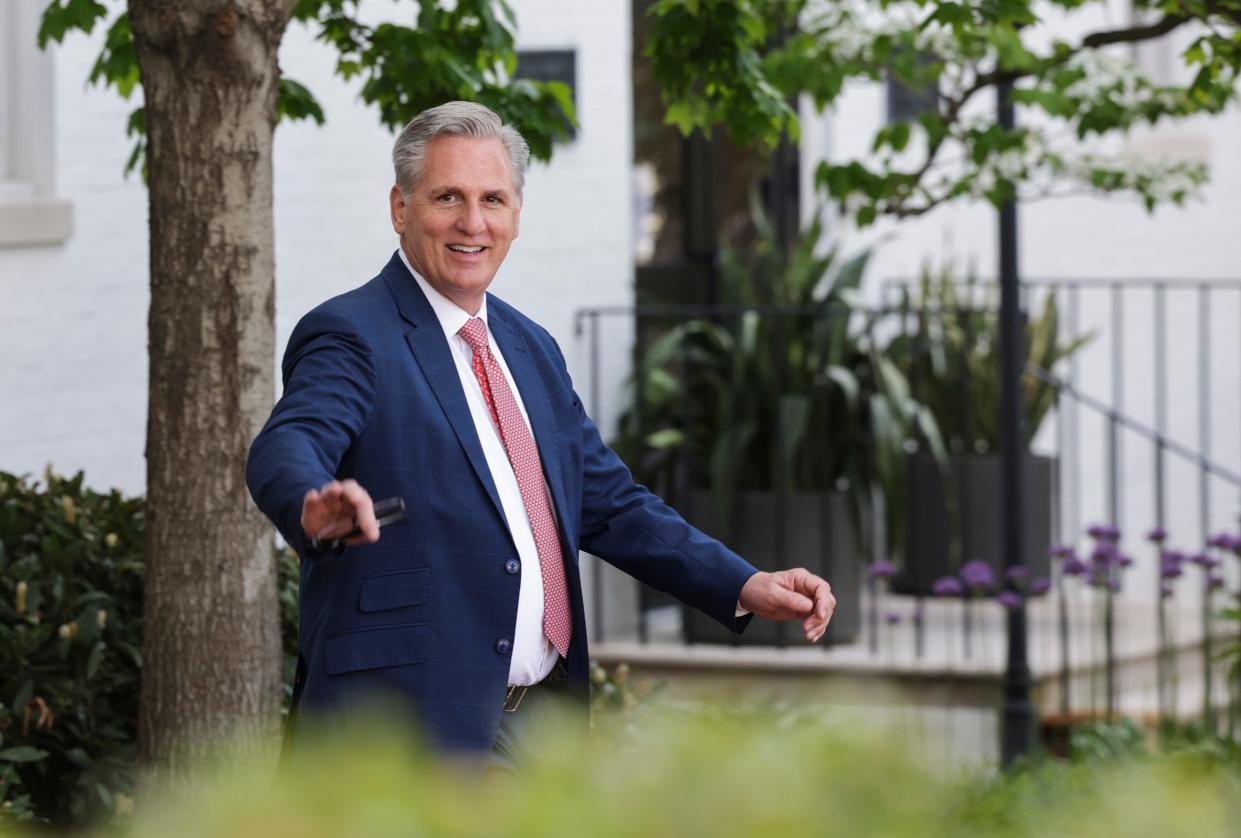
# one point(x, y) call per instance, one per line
point(524, 457)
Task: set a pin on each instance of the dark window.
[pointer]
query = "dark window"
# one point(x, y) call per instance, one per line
point(550, 65)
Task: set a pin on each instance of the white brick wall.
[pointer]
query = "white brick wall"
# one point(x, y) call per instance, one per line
point(73, 317)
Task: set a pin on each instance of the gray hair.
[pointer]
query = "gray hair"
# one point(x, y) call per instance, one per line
point(455, 119)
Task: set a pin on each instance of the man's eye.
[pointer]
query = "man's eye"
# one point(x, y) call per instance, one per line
point(446, 197)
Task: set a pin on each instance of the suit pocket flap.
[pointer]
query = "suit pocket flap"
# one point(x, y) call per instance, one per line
point(374, 648)
point(395, 590)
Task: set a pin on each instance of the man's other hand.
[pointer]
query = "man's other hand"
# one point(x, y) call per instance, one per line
point(336, 509)
point(791, 595)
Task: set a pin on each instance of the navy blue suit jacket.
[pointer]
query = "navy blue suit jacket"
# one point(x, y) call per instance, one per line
point(427, 613)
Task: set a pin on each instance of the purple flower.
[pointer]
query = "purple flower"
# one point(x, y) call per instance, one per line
point(1205, 561)
point(882, 569)
point(1060, 551)
point(1220, 541)
point(1170, 570)
point(1074, 566)
point(1215, 582)
point(1234, 544)
point(1040, 586)
point(1009, 599)
point(947, 586)
point(1173, 556)
point(1158, 535)
point(1017, 574)
point(1104, 532)
point(977, 575)
point(892, 618)
point(1123, 560)
point(1104, 554)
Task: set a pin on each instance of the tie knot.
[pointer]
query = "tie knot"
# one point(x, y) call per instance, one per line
point(475, 333)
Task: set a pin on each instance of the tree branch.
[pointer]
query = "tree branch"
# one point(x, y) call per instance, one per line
point(954, 105)
point(1094, 40)
point(1135, 33)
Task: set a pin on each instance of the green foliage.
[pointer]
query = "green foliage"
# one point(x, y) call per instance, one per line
point(460, 50)
point(1107, 741)
point(699, 772)
point(64, 16)
point(723, 40)
point(296, 102)
point(787, 389)
point(735, 64)
point(616, 699)
point(70, 645)
point(953, 354)
point(456, 50)
point(71, 582)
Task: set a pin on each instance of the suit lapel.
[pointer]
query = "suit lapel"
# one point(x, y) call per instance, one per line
point(534, 397)
point(426, 340)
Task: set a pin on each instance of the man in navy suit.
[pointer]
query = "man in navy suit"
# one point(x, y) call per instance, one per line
point(421, 385)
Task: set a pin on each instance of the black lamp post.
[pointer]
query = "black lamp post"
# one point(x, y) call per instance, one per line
point(1018, 711)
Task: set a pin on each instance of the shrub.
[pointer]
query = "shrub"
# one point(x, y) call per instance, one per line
point(71, 580)
point(696, 774)
point(70, 646)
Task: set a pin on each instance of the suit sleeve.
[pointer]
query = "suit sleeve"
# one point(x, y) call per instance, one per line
point(329, 390)
point(631, 528)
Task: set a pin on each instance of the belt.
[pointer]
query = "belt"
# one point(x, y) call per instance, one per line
point(556, 679)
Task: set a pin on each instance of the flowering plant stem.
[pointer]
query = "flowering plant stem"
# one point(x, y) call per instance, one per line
point(1208, 711)
point(1065, 704)
point(1109, 651)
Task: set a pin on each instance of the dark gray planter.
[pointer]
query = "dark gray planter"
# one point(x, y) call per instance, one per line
point(816, 535)
point(976, 480)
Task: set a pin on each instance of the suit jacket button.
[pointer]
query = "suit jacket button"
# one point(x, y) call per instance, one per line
point(512, 565)
point(504, 646)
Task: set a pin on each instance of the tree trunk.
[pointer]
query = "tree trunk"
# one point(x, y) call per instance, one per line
point(212, 647)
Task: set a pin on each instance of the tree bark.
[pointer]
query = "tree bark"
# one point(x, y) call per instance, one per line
point(211, 652)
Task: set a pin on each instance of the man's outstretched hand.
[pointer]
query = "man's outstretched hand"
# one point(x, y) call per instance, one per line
point(336, 509)
point(791, 595)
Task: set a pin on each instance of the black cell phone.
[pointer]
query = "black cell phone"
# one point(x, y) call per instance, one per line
point(387, 511)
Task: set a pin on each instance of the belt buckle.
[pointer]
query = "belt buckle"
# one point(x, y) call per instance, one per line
point(512, 699)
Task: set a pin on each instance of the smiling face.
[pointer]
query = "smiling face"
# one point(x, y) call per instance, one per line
point(460, 217)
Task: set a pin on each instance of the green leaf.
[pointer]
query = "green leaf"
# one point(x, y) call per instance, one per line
point(666, 438)
point(847, 382)
point(22, 753)
point(137, 127)
point(294, 102)
point(96, 656)
point(794, 416)
point(62, 16)
point(23, 695)
point(899, 136)
point(117, 64)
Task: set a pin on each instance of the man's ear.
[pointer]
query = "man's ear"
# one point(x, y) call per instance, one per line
point(397, 202)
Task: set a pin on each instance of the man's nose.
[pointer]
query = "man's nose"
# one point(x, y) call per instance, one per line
point(470, 219)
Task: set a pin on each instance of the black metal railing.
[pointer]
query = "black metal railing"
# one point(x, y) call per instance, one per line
point(895, 353)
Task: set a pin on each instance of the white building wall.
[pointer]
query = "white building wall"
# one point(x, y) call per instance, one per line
point(73, 317)
point(1105, 238)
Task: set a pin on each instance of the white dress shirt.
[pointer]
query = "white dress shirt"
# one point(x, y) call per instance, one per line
point(533, 654)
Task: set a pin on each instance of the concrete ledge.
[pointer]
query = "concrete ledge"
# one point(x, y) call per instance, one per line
point(31, 221)
point(801, 674)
